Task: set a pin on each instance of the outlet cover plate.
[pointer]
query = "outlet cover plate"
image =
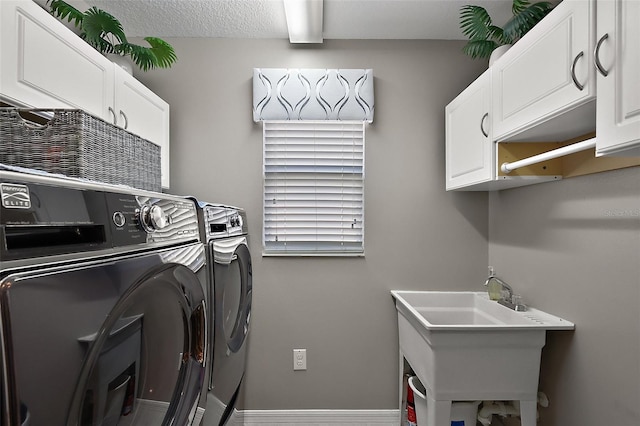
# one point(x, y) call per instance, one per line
point(299, 359)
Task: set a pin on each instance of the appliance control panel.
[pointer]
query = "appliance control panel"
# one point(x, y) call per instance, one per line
point(45, 216)
point(138, 219)
point(224, 221)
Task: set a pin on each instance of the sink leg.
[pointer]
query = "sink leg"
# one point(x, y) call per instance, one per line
point(528, 413)
point(438, 412)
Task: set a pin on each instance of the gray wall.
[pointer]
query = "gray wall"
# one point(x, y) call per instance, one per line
point(572, 248)
point(417, 235)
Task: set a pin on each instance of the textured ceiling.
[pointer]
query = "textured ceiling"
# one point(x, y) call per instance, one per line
point(343, 19)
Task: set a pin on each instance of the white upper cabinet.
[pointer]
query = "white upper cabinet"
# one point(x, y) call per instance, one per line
point(618, 62)
point(546, 75)
point(140, 111)
point(469, 149)
point(44, 64)
point(545, 93)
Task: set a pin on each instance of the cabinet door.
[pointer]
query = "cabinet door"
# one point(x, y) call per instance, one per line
point(469, 148)
point(547, 73)
point(618, 56)
point(144, 113)
point(45, 65)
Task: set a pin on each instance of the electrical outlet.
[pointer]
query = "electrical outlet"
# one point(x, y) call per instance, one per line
point(299, 359)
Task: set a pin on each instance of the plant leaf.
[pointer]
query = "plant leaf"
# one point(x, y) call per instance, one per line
point(102, 30)
point(159, 55)
point(105, 33)
point(101, 45)
point(474, 22)
point(497, 34)
point(64, 10)
point(521, 23)
point(519, 5)
point(479, 48)
point(163, 51)
point(142, 56)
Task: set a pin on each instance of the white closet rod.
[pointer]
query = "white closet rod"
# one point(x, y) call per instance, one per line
point(560, 152)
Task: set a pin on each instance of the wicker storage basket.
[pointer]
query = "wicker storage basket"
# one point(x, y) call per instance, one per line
point(77, 144)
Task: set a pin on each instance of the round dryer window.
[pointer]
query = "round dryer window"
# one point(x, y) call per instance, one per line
point(233, 286)
point(146, 361)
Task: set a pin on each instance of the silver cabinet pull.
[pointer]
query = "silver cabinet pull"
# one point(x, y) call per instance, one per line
point(596, 55)
point(573, 72)
point(126, 120)
point(113, 113)
point(484, 117)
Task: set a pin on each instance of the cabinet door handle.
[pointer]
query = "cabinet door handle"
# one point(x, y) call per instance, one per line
point(126, 120)
point(596, 55)
point(484, 117)
point(113, 113)
point(573, 71)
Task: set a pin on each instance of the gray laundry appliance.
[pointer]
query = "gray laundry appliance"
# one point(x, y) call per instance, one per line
point(224, 231)
point(103, 305)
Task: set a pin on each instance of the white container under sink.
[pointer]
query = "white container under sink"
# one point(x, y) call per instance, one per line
point(465, 413)
point(465, 347)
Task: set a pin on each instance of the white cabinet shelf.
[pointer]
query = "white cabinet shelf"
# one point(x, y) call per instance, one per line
point(45, 65)
point(472, 156)
point(544, 94)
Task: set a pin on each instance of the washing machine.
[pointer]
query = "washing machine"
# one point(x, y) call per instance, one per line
point(103, 305)
point(224, 231)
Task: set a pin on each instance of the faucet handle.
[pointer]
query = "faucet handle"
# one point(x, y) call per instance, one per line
point(518, 306)
point(492, 272)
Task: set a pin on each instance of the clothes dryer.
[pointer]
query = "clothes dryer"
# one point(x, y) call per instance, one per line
point(225, 233)
point(103, 312)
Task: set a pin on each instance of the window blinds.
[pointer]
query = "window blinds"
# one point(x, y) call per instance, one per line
point(313, 187)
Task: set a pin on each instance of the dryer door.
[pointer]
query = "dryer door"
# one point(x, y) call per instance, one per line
point(232, 281)
point(117, 341)
point(232, 290)
point(146, 363)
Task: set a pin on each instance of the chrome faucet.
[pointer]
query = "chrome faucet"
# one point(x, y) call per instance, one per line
point(506, 298)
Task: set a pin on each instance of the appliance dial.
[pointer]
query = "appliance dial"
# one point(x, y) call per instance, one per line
point(159, 218)
point(119, 219)
point(153, 218)
point(235, 221)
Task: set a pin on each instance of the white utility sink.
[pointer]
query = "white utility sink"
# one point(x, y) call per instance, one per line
point(460, 310)
point(464, 347)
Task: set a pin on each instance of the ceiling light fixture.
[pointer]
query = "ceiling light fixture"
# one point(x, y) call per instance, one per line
point(304, 20)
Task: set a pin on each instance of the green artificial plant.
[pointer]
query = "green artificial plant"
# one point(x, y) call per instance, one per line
point(484, 37)
point(105, 33)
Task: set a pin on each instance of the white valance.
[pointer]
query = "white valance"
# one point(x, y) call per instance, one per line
point(313, 94)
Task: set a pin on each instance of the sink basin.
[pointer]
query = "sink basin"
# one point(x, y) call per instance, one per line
point(464, 347)
point(458, 310)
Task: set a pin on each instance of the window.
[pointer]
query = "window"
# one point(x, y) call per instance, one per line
point(313, 187)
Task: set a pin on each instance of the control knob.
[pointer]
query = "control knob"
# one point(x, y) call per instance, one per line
point(235, 221)
point(153, 218)
point(119, 219)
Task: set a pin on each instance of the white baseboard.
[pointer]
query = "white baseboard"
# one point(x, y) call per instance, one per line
point(315, 417)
